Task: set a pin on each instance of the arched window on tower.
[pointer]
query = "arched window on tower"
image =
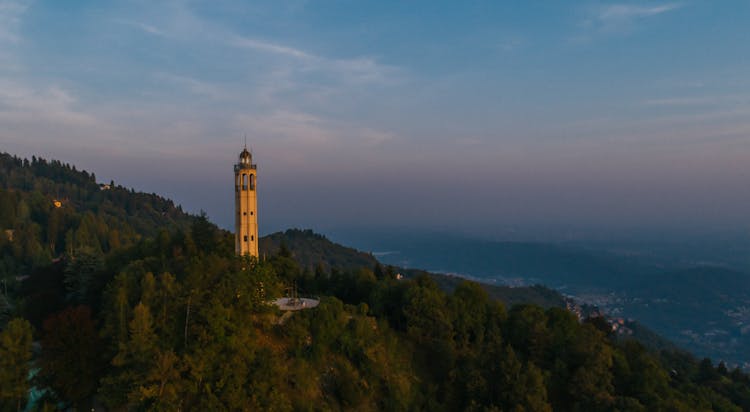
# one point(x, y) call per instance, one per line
point(252, 182)
point(244, 181)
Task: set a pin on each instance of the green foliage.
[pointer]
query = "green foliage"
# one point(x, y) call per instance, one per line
point(80, 272)
point(15, 363)
point(204, 233)
point(311, 250)
point(34, 229)
point(194, 329)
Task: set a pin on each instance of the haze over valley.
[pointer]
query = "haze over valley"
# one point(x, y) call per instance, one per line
point(694, 295)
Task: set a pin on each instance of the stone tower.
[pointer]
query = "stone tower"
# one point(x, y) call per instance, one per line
point(245, 206)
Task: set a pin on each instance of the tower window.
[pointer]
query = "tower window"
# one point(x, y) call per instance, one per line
point(245, 213)
point(252, 182)
point(244, 182)
point(245, 238)
point(252, 237)
point(251, 213)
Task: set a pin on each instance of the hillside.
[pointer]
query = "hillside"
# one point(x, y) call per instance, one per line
point(153, 322)
point(52, 213)
point(48, 208)
point(310, 249)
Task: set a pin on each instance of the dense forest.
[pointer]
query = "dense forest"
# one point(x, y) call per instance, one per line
point(161, 315)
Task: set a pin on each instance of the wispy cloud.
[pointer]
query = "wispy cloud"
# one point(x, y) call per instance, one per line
point(356, 69)
point(25, 104)
point(622, 18)
point(144, 27)
point(284, 98)
point(270, 47)
point(21, 104)
point(628, 12)
point(183, 25)
point(293, 77)
point(283, 75)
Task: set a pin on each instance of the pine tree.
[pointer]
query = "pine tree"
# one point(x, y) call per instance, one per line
point(70, 354)
point(133, 361)
point(15, 363)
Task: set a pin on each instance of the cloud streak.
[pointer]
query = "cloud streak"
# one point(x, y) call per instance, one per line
point(283, 75)
point(361, 69)
point(628, 12)
point(146, 28)
point(25, 105)
point(623, 18)
point(269, 47)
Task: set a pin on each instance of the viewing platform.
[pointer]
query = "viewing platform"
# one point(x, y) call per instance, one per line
point(293, 304)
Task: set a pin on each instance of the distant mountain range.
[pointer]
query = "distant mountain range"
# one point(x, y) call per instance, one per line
point(703, 308)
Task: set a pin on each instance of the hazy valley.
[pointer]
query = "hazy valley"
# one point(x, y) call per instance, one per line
point(697, 297)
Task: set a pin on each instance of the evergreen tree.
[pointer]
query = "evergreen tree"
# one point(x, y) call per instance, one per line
point(133, 362)
point(80, 273)
point(71, 361)
point(203, 233)
point(15, 363)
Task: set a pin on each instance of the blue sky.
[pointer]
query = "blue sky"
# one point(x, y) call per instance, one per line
point(472, 116)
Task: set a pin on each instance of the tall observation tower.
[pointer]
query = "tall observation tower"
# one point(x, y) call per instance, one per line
point(246, 206)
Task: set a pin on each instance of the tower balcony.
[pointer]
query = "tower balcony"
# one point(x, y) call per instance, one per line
point(241, 166)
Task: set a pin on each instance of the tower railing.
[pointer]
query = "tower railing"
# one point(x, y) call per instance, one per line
point(243, 167)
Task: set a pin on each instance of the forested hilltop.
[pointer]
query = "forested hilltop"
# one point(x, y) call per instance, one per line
point(49, 209)
point(167, 318)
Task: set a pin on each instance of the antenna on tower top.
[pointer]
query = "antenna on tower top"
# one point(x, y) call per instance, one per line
point(245, 140)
